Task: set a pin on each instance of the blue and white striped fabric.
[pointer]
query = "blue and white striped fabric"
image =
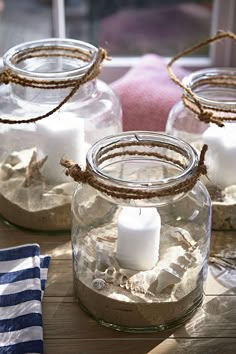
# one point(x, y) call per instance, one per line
point(23, 274)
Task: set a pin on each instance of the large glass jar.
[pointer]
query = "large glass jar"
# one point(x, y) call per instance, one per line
point(52, 106)
point(141, 225)
point(206, 115)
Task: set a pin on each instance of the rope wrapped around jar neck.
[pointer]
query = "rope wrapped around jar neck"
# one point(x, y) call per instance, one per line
point(8, 76)
point(88, 177)
point(190, 100)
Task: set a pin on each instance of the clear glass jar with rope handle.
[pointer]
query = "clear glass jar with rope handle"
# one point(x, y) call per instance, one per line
point(52, 105)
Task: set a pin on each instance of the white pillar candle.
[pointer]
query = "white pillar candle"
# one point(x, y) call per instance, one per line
point(221, 154)
point(57, 139)
point(138, 238)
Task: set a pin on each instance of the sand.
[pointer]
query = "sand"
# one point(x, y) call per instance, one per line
point(27, 200)
point(139, 303)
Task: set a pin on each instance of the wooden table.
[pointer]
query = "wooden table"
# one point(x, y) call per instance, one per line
point(68, 330)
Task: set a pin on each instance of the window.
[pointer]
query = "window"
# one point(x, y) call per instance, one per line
point(23, 21)
point(127, 28)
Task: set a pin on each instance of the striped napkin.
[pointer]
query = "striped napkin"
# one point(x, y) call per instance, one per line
point(23, 274)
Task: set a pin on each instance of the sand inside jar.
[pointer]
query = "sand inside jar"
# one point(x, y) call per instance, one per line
point(27, 200)
point(134, 299)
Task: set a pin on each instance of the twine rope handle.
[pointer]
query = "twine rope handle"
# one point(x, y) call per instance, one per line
point(203, 115)
point(8, 76)
point(86, 176)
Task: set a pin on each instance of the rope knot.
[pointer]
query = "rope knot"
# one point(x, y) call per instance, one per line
point(205, 116)
point(4, 78)
point(75, 171)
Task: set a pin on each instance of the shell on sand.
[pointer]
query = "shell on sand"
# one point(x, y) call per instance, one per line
point(15, 164)
point(167, 272)
point(25, 197)
point(224, 210)
point(230, 194)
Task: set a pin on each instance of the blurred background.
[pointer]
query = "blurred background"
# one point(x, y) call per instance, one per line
point(127, 28)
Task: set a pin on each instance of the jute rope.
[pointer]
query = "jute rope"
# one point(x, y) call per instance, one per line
point(8, 76)
point(190, 100)
point(87, 176)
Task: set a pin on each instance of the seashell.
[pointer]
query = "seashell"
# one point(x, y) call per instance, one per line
point(99, 283)
point(64, 188)
point(99, 274)
point(142, 282)
point(224, 210)
point(7, 169)
point(186, 260)
point(165, 279)
point(20, 160)
point(175, 272)
point(110, 274)
point(120, 279)
point(14, 158)
point(230, 194)
point(181, 235)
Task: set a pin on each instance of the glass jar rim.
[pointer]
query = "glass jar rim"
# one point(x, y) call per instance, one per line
point(65, 42)
point(195, 79)
point(140, 136)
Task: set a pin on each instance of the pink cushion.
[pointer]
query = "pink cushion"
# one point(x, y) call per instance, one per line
point(147, 94)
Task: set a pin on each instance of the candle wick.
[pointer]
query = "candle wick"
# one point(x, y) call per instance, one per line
point(139, 211)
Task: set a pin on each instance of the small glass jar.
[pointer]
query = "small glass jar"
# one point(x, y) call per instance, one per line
point(141, 227)
point(208, 117)
point(34, 192)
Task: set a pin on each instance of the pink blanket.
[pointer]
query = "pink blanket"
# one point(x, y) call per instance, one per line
point(147, 94)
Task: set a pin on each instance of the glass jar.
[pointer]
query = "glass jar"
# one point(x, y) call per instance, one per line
point(141, 225)
point(206, 115)
point(53, 81)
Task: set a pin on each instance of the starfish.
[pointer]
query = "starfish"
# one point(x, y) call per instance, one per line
point(33, 173)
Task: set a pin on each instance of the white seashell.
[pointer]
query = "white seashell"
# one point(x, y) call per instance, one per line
point(110, 275)
point(120, 279)
point(175, 271)
point(186, 260)
point(230, 194)
point(19, 160)
point(181, 235)
point(8, 170)
point(165, 279)
point(99, 283)
point(14, 158)
point(142, 282)
point(64, 188)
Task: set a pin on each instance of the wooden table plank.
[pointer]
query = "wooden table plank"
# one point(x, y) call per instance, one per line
point(56, 244)
point(220, 280)
point(144, 346)
point(99, 346)
point(194, 346)
point(68, 320)
point(60, 278)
